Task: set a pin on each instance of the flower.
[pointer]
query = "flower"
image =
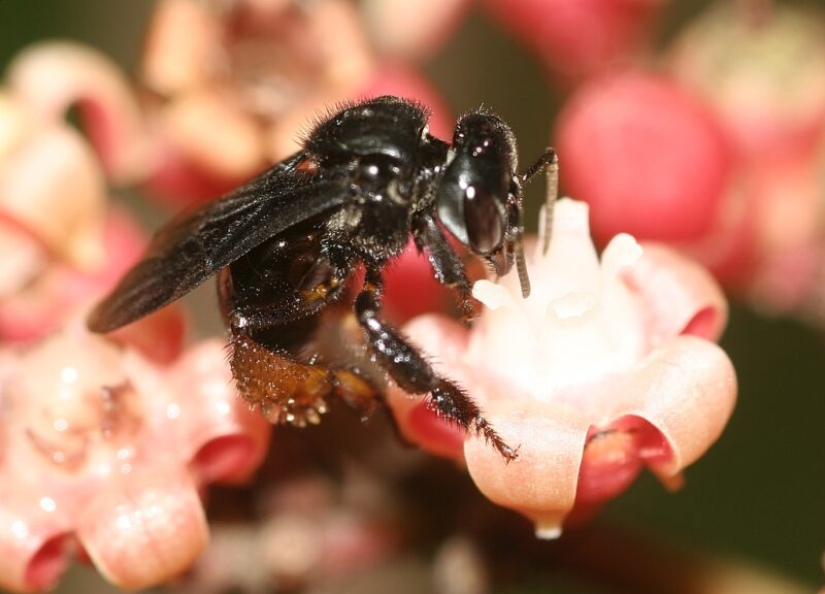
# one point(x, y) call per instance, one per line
point(575, 40)
point(104, 452)
point(308, 531)
point(607, 367)
point(639, 149)
point(413, 30)
point(61, 242)
point(235, 84)
point(761, 69)
point(50, 77)
point(731, 134)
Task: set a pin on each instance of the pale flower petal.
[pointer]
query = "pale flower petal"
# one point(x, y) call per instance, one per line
point(605, 368)
point(679, 296)
point(415, 30)
point(51, 77)
point(148, 531)
point(224, 440)
point(687, 390)
point(179, 46)
point(34, 551)
point(52, 186)
point(541, 484)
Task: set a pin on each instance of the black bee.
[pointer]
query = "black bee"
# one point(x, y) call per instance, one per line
point(285, 244)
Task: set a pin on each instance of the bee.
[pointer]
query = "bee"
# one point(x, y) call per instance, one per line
point(285, 245)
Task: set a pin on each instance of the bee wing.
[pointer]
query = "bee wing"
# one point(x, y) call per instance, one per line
point(198, 243)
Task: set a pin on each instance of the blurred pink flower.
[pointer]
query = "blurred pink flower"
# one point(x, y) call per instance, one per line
point(51, 189)
point(407, 30)
point(61, 244)
point(311, 532)
point(761, 69)
point(689, 193)
point(649, 157)
point(50, 77)
point(41, 294)
point(575, 40)
point(236, 83)
point(572, 40)
point(606, 368)
point(103, 453)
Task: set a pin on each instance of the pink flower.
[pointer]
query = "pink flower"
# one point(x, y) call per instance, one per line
point(61, 243)
point(51, 77)
point(310, 531)
point(732, 153)
point(48, 290)
point(104, 452)
point(51, 186)
point(607, 367)
point(761, 69)
point(649, 157)
point(579, 39)
point(413, 30)
point(238, 82)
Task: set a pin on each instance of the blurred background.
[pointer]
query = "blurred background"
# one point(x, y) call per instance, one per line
point(758, 496)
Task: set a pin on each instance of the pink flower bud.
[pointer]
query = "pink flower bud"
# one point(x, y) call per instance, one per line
point(651, 159)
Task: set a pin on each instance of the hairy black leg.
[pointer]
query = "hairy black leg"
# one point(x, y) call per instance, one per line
point(410, 370)
point(448, 267)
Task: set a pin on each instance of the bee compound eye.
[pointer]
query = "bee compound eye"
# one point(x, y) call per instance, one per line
point(485, 230)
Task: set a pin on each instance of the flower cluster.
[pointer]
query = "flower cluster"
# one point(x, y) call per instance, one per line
point(719, 152)
point(103, 453)
point(108, 444)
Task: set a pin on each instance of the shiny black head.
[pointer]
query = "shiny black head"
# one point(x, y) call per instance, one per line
point(479, 197)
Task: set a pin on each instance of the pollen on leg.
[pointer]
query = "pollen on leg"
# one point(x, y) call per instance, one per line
point(290, 392)
point(285, 391)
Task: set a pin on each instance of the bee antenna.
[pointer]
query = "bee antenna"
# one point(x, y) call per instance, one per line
point(549, 162)
point(521, 264)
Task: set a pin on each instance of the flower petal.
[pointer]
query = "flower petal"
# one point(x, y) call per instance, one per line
point(179, 46)
point(226, 440)
point(146, 530)
point(414, 30)
point(53, 76)
point(52, 186)
point(679, 296)
point(34, 552)
point(542, 483)
point(687, 390)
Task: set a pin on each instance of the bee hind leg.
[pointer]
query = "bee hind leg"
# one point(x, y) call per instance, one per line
point(289, 391)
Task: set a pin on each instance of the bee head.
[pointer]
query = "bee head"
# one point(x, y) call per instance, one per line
point(479, 198)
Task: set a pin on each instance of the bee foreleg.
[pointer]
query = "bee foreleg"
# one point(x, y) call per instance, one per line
point(413, 373)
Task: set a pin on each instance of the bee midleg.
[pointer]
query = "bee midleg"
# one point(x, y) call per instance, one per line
point(411, 371)
point(272, 321)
